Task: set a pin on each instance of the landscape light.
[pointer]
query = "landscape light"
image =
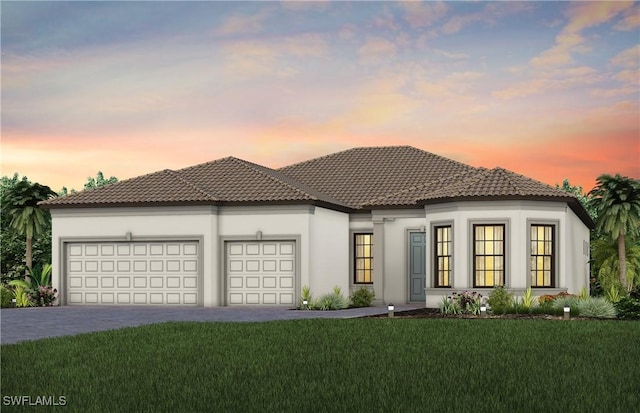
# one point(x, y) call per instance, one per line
point(305, 304)
point(390, 308)
point(567, 312)
point(483, 310)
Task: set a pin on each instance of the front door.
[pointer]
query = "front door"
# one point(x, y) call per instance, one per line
point(417, 273)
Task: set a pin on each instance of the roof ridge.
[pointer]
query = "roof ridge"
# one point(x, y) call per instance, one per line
point(177, 175)
point(423, 185)
point(347, 150)
point(510, 175)
point(293, 183)
point(261, 170)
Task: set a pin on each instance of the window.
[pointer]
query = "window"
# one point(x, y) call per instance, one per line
point(488, 254)
point(542, 256)
point(363, 273)
point(443, 251)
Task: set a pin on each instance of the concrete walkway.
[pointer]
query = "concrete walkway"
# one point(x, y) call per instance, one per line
point(20, 324)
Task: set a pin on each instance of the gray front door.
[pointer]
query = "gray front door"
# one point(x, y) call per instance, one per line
point(417, 279)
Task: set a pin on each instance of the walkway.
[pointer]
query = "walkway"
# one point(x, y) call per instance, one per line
point(20, 324)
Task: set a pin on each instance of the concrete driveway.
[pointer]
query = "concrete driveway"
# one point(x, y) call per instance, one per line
point(20, 324)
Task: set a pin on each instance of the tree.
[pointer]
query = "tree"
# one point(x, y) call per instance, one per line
point(617, 202)
point(582, 197)
point(99, 181)
point(92, 183)
point(27, 219)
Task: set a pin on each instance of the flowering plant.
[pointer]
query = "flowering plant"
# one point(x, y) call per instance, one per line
point(44, 296)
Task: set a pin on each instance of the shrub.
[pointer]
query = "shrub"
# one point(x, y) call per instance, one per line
point(5, 297)
point(596, 307)
point(628, 307)
point(44, 296)
point(333, 301)
point(567, 300)
point(306, 295)
point(450, 306)
point(528, 299)
point(362, 297)
point(500, 300)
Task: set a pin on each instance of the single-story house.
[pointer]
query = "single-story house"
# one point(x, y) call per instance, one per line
point(409, 224)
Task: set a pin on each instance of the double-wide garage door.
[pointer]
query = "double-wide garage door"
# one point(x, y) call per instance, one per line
point(260, 272)
point(132, 273)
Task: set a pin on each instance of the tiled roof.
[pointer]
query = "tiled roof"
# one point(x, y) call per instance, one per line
point(235, 180)
point(495, 182)
point(358, 176)
point(355, 179)
point(163, 187)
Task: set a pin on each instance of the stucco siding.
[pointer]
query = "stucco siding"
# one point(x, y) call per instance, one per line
point(132, 224)
point(517, 216)
point(329, 252)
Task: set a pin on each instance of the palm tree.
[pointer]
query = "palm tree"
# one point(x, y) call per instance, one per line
point(27, 219)
point(617, 200)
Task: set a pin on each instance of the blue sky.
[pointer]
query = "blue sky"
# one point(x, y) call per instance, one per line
point(546, 89)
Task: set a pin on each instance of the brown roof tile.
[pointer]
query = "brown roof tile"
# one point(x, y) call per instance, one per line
point(355, 179)
point(163, 187)
point(495, 182)
point(358, 176)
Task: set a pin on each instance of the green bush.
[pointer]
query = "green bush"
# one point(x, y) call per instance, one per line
point(5, 297)
point(628, 307)
point(333, 301)
point(500, 300)
point(596, 307)
point(306, 296)
point(450, 306)
point(362, 297)
point(570, 301)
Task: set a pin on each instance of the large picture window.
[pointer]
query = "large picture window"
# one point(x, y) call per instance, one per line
point(542, 256)
point(488, 255)
point(363, 259)
point(443, 251)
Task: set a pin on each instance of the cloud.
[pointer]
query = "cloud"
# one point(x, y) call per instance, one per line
point(451, 55)
point(628, 58)
point(376, 49)
point(421, 14)
point(581, 15)
point(553, 80)
point(490, 14)
point(451, 86)
point(630, 21)
point(243, 23)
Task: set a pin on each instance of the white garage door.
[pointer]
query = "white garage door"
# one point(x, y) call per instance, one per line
point(260, 272)
point(132, 273)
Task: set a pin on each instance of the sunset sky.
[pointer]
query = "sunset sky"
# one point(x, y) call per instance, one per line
point(550, 90)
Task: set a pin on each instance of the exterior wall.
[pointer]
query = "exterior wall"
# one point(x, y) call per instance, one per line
point(329, 252)
point(142, 224)
point(262, 223)
point(321, 236)
point(324, 240)
point(571, 270)
point(395, 272)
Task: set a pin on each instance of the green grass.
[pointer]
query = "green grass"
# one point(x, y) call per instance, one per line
point(364, 365)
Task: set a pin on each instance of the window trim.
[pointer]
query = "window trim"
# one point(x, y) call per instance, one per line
point(356, 258)
point(434, 240)
point(506, 224)
point(555, 262)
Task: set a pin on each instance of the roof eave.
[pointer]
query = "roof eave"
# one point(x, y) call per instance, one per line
point(572, 202)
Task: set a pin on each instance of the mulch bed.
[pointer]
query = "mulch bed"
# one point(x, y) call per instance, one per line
point(435, 313)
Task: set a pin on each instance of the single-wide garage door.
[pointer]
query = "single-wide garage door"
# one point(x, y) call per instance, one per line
point(132, 273)
point(260, 272)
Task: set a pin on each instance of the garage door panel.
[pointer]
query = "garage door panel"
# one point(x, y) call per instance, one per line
point(260, 272)
point(114, 273)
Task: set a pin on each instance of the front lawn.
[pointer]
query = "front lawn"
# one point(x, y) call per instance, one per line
point(361, 365)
